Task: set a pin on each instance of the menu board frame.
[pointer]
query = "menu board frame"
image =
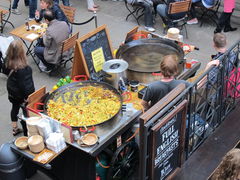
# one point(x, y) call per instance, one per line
point(176, 115)
point(147, 120)
point(131, 33)
point(83, 56)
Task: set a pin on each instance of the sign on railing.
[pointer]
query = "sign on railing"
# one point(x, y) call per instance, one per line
point(167, 138)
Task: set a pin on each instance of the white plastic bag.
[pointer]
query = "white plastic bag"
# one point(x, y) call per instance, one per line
point(5, 42)
point(44, 128)
point(56, 142)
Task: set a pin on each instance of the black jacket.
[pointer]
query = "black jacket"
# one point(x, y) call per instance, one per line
point(58, 13)
point(20, 85)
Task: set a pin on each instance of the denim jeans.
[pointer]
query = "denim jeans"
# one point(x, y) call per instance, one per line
point(15, 4)
point(194, 1)
point(65, 2)
point(193, 10)
point(32, 8)
point(39, 51)
point(148, 15)
point(161, 9)
point(166, 18)
point(26, 2)
point(90, 4)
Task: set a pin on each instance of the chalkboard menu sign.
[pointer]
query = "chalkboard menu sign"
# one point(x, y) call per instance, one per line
point(94, 50)
point(167, 143)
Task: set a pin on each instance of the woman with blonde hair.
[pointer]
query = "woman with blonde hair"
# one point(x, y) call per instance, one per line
point(19, 83)
point(229, 169)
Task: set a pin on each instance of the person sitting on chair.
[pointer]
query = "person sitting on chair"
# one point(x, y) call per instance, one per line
point(56, 33)
point(158, 89)
point(148, 12)
point(162, 10)
point(206, 3)
point(57, 11)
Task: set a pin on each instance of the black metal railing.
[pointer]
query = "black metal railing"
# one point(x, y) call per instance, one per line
point(209, 103)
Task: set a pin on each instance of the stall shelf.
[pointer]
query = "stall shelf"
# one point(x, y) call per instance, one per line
point(109, 132)
point(75, 161)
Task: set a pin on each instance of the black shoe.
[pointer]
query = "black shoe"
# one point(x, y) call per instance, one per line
point(217, 31)
point(1, 64)
point(229, 29)
point(16, 131)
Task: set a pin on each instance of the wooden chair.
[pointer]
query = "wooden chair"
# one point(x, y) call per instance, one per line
point(209, 13)
point(67, 48)
point(5, 13)
point(179, 7)
point(70, 13)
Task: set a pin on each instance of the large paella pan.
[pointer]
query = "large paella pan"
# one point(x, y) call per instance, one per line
point(145, 55)
point(86, 103)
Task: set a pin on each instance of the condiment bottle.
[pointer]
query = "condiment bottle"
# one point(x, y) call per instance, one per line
point(27, 25)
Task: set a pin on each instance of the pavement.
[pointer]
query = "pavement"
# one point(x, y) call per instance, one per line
point(113, 14)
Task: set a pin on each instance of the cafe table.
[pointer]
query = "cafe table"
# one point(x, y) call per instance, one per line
point(30, 36)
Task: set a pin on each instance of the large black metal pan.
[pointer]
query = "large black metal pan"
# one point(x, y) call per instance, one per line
point(76, 85)
point(145, 55)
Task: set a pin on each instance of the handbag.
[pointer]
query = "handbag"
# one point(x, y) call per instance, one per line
point(233, 83)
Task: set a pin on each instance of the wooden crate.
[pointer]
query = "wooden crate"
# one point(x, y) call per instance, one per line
point(37, 96)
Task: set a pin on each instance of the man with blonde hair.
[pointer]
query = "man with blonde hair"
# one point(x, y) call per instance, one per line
point(158, 89)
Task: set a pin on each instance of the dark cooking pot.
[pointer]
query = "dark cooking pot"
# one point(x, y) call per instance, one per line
point(144, 57)
point(72, 87)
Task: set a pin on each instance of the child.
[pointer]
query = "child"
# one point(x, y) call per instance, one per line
point(19, 83)
point(220, 45)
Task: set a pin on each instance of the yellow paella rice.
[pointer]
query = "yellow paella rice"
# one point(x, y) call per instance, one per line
point(86, 106)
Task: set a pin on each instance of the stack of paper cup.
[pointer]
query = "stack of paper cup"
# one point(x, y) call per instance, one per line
point(32, 125)
point(35, 143)
point(173, 33)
